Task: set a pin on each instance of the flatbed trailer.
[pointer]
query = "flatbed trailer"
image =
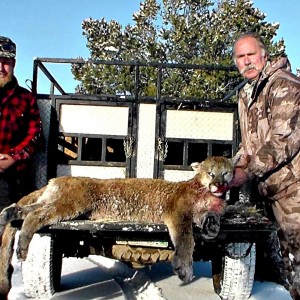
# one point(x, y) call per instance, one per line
point(135, 136)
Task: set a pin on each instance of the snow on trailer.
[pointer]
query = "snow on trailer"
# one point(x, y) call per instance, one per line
point(117, 136)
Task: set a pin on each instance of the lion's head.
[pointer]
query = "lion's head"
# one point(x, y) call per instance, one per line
point(215, 173)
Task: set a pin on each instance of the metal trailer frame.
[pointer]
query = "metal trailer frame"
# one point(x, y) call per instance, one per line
point(79, 238)
point(165, 107)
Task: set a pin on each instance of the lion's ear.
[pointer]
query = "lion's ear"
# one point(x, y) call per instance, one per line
point(196, 166)
point(235, 160)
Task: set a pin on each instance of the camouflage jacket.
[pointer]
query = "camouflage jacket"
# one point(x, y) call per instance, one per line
point(269, 112)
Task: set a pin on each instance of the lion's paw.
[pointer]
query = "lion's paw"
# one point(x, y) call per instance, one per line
point(21, 254)
point(6, 215)
point(209, 224)
point(183, 267)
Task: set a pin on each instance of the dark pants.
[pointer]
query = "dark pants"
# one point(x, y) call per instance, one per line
point(13, 186)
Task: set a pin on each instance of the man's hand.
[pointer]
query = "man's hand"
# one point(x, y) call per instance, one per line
point(239, 177)
point(5, 162)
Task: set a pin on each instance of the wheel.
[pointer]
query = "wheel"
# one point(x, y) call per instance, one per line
point(41, 271)
point(237, 266)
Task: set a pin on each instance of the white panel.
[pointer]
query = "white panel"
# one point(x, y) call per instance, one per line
point(178, 175)
point(94, 119)
point(91, 171)
point(199, 125)
point(146, 141)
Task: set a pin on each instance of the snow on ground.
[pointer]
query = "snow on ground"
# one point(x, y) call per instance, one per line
point(101, 278)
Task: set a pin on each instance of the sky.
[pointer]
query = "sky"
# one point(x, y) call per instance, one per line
point(52, 29)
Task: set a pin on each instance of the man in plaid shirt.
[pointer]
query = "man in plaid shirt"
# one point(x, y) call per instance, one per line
point(20, 129)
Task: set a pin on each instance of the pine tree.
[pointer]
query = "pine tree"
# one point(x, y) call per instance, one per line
point(172, 31)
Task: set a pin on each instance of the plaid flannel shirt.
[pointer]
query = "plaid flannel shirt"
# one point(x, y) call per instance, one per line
point(20, 123)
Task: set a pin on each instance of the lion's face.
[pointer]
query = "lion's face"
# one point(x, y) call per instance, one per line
point(215, 173)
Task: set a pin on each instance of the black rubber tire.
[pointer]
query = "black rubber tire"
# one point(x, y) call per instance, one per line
point(235, 282)
point(41, 271)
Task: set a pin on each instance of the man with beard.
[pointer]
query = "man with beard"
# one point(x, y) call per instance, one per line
point(269, 112)
point(20, 129)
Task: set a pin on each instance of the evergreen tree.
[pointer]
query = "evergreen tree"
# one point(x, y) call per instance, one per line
point(172, 31)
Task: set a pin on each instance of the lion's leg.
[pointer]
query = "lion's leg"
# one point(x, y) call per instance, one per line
point(47, 215)
point(6, 253)
point(181, 233)
point(7, 237)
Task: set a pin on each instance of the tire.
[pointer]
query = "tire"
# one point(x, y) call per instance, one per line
point(41, 271)
point(141, 256)
point(236, 279)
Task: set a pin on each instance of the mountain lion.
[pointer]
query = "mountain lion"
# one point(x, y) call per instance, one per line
point(177, 204)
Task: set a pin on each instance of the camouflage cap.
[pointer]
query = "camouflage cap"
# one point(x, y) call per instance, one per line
point(7, 47)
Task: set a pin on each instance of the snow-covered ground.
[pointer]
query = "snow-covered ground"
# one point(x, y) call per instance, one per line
point(102, 278)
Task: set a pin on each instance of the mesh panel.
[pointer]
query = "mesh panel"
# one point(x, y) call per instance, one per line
point(114, 119)
point(199, 125)
point(40, 165)
point(91, 171)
